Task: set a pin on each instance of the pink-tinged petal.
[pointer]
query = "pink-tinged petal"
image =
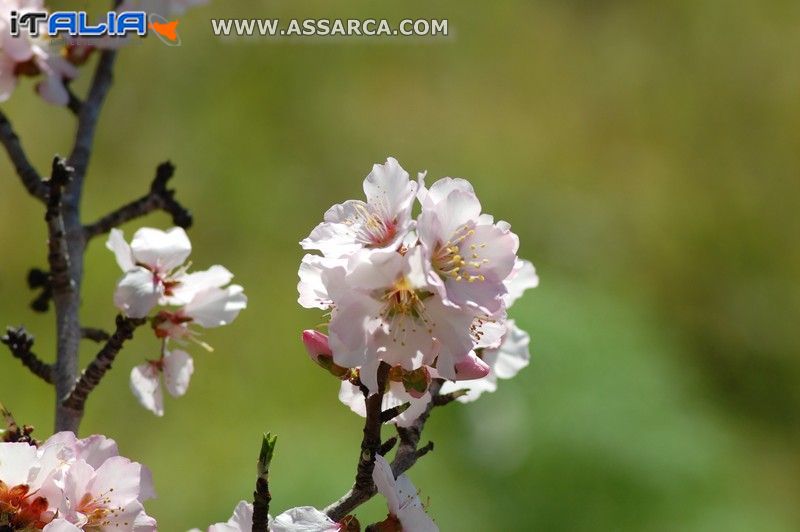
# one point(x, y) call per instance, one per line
point(373, 271)
point(316, 344)
point(178, 369)
point(144, 523)
point(117, 481)
point(96, 449)
point(312, 288)
point(438, 192)
point(513, 354)
point(161, 250)
point(193, 283)
point(474, 388)
point(471, 367)
point(522, 277)
point(122, 250)
point(60, 525)
point(215, 307)
point(412, 514)
point(76, 484)
point(137, 293)
point(240, 521)
point(52, 90)
point(350, 395)
point(303, 519)
point(147, 488)
point(389, 189)
point(146, 386)
point(16, 462)
point(459, 209)
point(8, 81)
point(348, 328)
point(384, 480)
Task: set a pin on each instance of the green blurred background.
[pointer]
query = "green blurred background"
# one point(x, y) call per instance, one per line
point(645, 152)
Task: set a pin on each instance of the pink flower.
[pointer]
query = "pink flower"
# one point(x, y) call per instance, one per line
point(27, 55)
point(469, 256)
point(302, 519)
point(176, 367)
point(402, 499)
point(380, 223)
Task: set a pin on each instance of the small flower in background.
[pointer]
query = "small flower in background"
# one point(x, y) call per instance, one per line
point(24, 55)
point(405, 509)
point(176, 368)
point(155, 274)
point(302, 519)
point(69, 484)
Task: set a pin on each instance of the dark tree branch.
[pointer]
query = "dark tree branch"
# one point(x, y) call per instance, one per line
point(40, 279)
point(364, 487)
point(262, 496)
point(408, 452)
point(387, 446)
point(159, 198)
point(58, 255)
point(13, 433)
point(19, 342)
point(94, 334)
point(25, 170)
point(390, 414)
point(67, 303)
point(74, 104)
point(97, 368)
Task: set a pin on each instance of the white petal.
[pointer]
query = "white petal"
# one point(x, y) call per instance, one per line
point(60, 525)
point(303, 519)
point(384, 480)
point(190, 284)
point(513, 354)
point(146, 386)
point(178, 369)
point(412, 514)
point(96, 449)
point(522, 277)
point(121, 249)
point(16, 461)
point(162, 250)
point(138, 292)
point(312, 287)
point(215, 307)
point(389, 189)
point(117, 481)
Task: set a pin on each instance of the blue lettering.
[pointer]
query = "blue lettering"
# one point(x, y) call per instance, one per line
point(62, 21)
point(131, 22)
point(84, 28)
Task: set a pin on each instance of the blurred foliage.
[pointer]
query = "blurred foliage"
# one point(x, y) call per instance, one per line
point(645, 152)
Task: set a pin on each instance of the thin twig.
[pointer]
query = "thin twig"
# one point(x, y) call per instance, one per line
point(74, 104)
point(105, 358)
point(262, 496)
point(58, 256)
point(27, 173)
point(159, 198)
point(94, 334)
point(40, 280)
point(19, 342)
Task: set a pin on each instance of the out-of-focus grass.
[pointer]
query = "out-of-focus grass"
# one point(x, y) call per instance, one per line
point(646, 153)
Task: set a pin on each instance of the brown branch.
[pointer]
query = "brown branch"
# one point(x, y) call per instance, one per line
point(27, 173)
point(58, 255)
point(40, 280)
point(408, 452)
point(13, 433)
point(101, 364)
point(19, 342)
point(159, 198)
point(94, 334)
point(364, 487)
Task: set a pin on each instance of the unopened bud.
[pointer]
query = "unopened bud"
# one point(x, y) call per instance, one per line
point(471, 367)
point(320, 352)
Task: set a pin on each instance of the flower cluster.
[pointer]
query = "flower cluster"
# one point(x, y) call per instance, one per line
point(69, 484)
point(303, 518)
point(429, 297)
point(57, 63)
point(155, 274)
point(25, 55)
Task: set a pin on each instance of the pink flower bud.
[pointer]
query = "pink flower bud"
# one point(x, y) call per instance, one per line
point(316, 344)
point(471, 367)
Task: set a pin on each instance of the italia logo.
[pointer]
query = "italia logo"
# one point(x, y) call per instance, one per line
point(77, 24)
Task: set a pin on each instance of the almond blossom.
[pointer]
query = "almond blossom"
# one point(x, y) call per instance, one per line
point(70, 484)
point(468, 255)
point(385, 311)
point(302, 519)
point(30, 56)
point(406, 512)
point(175, 367)
point(379, 223)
